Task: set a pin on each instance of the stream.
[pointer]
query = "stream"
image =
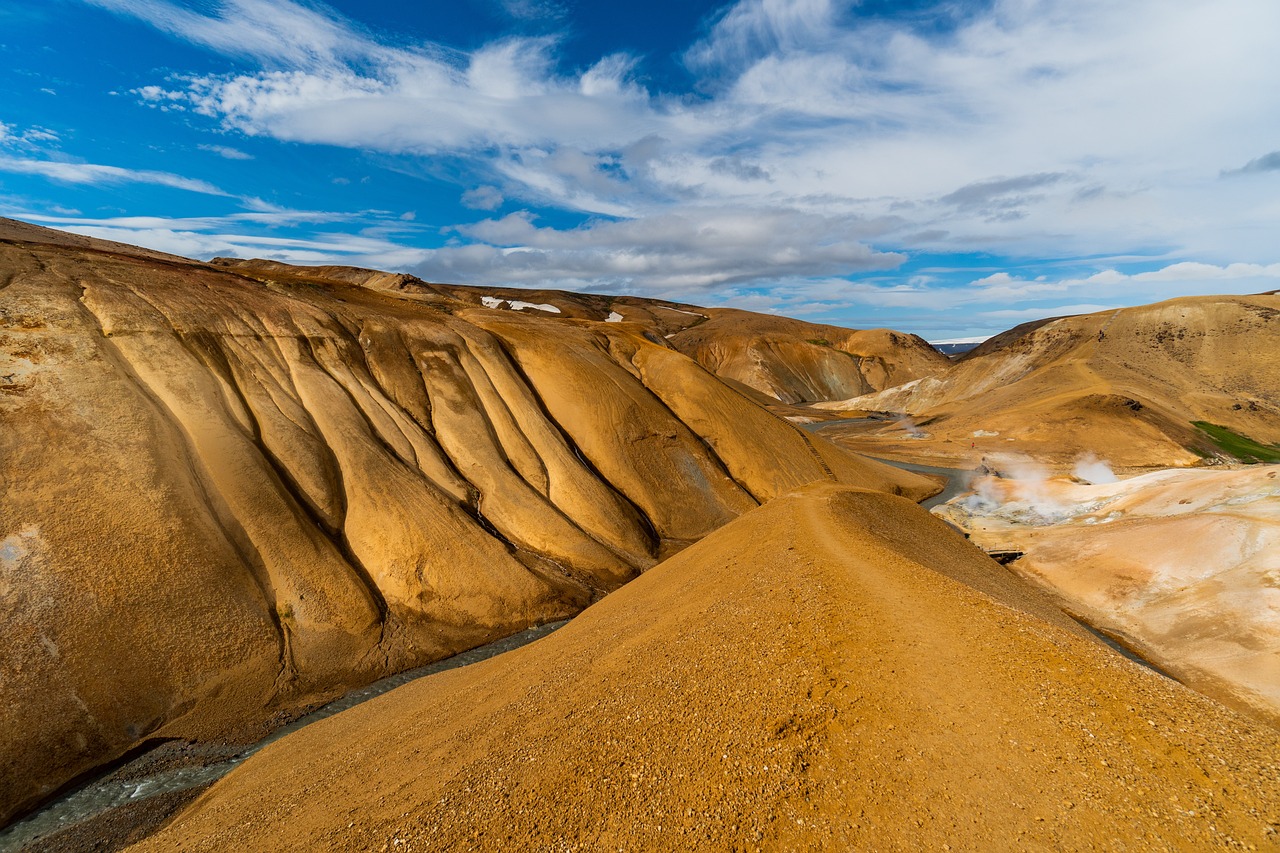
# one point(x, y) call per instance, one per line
point(957, 478)
point(119, 787)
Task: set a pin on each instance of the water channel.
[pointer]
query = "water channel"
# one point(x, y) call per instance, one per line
point(120, 787)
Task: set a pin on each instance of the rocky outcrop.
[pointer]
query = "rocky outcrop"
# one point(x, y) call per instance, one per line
point(228, 493)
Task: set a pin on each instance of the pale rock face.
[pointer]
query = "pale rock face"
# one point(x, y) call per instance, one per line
point(232, 491)
point(1183, 565)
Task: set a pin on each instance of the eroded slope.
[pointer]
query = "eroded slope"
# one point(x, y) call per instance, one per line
point(788, 360)
point(225, 496)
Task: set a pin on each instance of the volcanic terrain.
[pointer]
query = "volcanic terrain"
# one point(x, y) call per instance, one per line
point(228, 495)
point(1136, 385)
point(234, 490)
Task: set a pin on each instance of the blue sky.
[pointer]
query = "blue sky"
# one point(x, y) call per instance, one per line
point(945, 168)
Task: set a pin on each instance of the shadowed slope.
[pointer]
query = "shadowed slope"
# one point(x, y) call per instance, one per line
point(800, 362)
point(226, 496)
point(834, 670)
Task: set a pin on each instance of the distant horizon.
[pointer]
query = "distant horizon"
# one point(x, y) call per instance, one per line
point(949, 169)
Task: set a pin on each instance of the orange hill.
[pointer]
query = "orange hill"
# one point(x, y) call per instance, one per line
point(1128, 385)
point(229, 495)
point(834, 670)
point(788, 360)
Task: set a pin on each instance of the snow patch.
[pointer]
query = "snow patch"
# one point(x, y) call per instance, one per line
point(517, 305)
point(680, 311)
point(614, 317)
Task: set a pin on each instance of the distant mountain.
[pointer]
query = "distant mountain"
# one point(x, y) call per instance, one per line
point(1166, 384)
point(954, 349)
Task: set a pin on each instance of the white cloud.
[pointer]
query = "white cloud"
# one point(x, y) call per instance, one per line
point(694, 249)
point(207, 237)
point(226, 152)
point(29, 138)
point(284, 33)
point(99, 175)
point(483, 198)
point(820, 138)
point(532, 10)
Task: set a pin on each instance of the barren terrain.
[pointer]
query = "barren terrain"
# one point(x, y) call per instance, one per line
point(1129, 385)
point(228, 495)
point(1182, 565)
point(834, 670)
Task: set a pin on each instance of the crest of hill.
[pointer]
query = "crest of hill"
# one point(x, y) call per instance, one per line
point(1129, 384)
point(799, 362)
point(834, 670)
point(16, 231)
point(229, 496)
point(791, 361)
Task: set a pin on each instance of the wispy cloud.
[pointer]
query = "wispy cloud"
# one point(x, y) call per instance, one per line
point(98, 175)
point(206, 237)
point(483, 198)
point(278, 33)
point(1265, 163)
point(227, 152)
point(29, 137)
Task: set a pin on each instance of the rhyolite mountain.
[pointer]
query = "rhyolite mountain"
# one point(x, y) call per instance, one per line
point(789, 360)
point(235, 489)
point(1136, 386)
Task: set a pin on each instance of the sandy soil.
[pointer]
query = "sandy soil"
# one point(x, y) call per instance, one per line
point(834, 670)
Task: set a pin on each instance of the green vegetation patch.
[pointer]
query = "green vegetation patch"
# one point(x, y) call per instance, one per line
point(822, 342)
point(1233, 444)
